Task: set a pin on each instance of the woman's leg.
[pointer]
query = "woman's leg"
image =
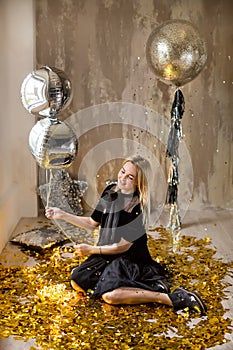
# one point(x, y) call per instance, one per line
point(77, 288)
point(180, 299)
point(128, 295)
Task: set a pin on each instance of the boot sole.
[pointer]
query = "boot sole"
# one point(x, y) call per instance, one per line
point(198, 298)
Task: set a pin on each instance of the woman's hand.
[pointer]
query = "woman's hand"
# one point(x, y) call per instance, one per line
point(54, 213)
point(83, 249)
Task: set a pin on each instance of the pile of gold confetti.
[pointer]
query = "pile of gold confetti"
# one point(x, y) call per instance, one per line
point(38, 303)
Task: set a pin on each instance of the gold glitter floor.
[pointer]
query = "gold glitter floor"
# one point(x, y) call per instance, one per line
point(215, 225)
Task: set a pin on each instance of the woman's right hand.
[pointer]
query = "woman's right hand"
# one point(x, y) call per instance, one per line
point(54, 213)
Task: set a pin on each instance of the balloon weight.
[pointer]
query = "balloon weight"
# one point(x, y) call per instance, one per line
point(175, 52)
point(53, 143)
point(46, 91)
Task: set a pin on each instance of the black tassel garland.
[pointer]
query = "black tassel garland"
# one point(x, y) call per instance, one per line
point(172, 152)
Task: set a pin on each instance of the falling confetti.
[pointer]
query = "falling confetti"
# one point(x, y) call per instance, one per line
point(38, 303)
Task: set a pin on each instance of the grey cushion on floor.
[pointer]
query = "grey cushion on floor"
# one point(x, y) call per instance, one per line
point(39, 238)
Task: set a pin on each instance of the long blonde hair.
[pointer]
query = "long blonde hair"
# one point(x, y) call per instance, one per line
point(143, 175)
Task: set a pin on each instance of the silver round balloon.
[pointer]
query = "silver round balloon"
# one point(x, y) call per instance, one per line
point(46, 91)
point(53, 143)
point(175, 52)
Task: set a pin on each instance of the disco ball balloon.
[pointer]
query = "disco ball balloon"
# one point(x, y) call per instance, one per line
point(53, 143)
point(175, 52)
point(46, 91)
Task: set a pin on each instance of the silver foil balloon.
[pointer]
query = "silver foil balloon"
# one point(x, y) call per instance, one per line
point(46, 91)
point(53, 143)
point(175, 52)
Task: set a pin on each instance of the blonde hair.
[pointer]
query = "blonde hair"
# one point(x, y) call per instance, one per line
point(143, 175)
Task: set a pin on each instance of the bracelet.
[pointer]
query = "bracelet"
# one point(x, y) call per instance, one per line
point(100, 250)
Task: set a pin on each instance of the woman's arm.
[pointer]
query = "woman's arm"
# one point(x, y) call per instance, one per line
point(116, 248)
point(85, 222)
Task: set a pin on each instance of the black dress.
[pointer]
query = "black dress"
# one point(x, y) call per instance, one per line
point(119, 216)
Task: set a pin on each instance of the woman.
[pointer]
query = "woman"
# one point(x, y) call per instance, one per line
point(120, 268)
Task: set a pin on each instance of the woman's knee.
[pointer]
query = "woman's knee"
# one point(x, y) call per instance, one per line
point(76, 287)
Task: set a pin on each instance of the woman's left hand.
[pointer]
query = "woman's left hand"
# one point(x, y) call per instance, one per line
point(83, 249)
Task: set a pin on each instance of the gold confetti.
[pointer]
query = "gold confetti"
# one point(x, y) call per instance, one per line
point(38, 303)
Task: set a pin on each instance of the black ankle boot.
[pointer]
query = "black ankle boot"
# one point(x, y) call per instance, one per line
point(182, 298)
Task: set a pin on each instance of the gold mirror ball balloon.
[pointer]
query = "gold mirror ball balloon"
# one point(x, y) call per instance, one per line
point(175, 52)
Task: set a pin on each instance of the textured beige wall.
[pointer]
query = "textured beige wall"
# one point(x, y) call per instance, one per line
point(18, 170)
point(100, 44)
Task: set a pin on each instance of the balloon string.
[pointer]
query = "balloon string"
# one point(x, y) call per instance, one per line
point(49, 175)
point(63, 231)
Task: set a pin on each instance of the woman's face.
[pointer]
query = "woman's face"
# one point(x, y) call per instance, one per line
point(127, 178)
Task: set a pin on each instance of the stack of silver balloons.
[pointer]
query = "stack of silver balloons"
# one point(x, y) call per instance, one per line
point(46, 92)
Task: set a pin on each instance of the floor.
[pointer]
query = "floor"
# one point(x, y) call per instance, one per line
point(214, 223)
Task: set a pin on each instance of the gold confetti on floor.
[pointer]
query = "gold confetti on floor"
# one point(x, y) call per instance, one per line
point(38, 303)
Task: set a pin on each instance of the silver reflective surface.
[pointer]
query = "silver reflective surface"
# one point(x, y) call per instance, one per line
point(53, 143)
point(175, 52)
point(46, 91)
